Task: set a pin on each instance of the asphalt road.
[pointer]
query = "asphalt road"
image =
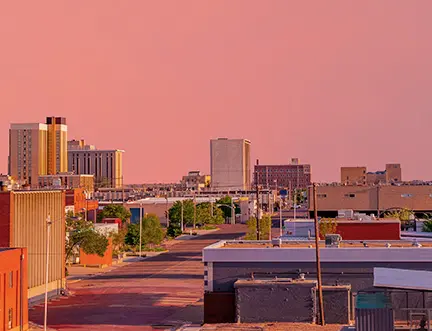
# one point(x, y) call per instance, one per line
point(158, 292)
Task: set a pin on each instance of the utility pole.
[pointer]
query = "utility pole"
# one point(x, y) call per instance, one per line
point(48, 222)
point(318, 262)
point(232, 211)
point(140, 223)
point(182, 216)
point(258, 207)
point(194, 220)
point(167, 211)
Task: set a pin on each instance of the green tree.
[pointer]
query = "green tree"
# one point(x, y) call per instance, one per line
point(118, 241)
point(225, 205)
point(152, 233)
point(132, 235)
point(174, 230)
point(327, 226)
point(81, 234)
point(427, 222)
point(152, 230)
point(404, 215)
point(175, 212)
point(265, 224)
point(204, 214)
point(114, 211)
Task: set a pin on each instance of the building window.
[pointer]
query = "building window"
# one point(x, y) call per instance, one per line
point(406, 195)
point(11, 279)
point(350, 195)
point(10, 318)
point(322, 195)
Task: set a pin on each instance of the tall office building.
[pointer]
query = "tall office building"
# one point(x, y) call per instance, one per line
point(230, 164)
point(37, 149)
point(105, 165)
point(57, 145)
point(28, 153)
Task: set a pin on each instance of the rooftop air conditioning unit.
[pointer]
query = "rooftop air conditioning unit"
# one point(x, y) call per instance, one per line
point(276, 242)
point(333, 240)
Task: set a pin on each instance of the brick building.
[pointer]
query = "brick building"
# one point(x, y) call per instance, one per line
point(23, 216)
point(360, 175)
point(13, 289)
point(371, 199)
point(77, 199)
point(272, 270)
point(291, 176)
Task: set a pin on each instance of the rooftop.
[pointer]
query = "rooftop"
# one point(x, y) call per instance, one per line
point(311, 244)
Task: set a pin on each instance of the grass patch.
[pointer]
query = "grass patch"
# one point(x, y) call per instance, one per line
point(154, 249)
point(209, 227)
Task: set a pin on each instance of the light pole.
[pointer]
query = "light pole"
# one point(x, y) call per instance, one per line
point(48, 222)
point(167, 214)
point(181, 224)
point(140, 238)
point(232, 212)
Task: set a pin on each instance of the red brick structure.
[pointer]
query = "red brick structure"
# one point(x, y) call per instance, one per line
point(290, 176)
point(96, 260)
point(369, 230)
point(13, 289)
point(77, 199)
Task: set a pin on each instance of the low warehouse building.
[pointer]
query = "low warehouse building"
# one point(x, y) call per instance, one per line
point(229, 265)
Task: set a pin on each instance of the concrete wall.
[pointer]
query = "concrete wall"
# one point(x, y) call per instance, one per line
point(230, 164)
point(13, 275)
point(357, 274)
point(353, 175)
point(373, 198)
point(275, 301)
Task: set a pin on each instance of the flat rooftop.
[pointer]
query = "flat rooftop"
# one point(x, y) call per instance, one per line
point(297, 251)
point(311, 244)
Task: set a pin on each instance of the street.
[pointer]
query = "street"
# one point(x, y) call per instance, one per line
point(158, 292)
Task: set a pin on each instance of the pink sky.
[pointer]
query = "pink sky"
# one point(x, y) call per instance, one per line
point(331, 82)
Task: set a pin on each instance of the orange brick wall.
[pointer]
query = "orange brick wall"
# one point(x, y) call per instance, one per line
point(5, 219)
point(94, 259)
point(10, 295)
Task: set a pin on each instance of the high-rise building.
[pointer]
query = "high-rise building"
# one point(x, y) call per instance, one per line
point(37, 149)
point(28, 153)
point(290, 176)
point(230, 164)
point(57, 145)
point(105, 165)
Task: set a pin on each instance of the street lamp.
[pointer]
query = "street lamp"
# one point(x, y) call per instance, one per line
point(167, 214)
point(48, 222)
point(181, 224)
point(140, 235)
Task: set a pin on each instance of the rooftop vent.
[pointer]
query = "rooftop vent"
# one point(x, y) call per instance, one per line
point(277, 242)
point(415, 243)
point(333, 240)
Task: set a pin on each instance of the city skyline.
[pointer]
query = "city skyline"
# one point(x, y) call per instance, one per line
point(318, 84)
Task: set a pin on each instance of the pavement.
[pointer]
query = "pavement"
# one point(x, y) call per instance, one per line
point(163, 292)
